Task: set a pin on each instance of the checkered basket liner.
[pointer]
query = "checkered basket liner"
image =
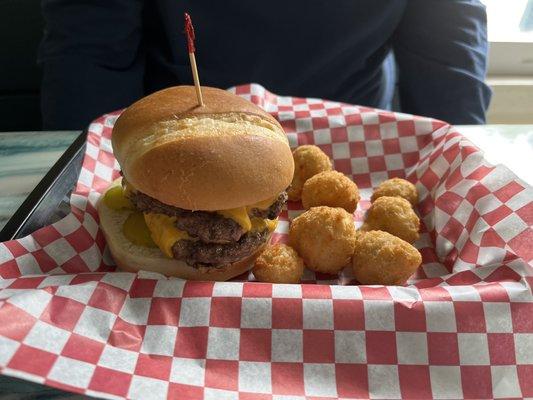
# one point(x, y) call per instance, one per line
point(463, 327)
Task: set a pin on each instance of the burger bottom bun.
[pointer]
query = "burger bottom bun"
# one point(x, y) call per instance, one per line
point(133, 258)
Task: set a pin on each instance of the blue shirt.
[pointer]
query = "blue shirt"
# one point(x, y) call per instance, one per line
point(102, 55)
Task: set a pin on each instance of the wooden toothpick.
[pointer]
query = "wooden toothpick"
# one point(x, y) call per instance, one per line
point(189, 31)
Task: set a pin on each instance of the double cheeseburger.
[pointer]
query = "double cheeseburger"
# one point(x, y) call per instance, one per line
point(201, 187)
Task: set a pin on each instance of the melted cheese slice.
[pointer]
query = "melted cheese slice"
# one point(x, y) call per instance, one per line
point(239, 215)
point(259, 224)
point(164, 232)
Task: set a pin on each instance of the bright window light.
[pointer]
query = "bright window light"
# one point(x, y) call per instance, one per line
point(510, 20)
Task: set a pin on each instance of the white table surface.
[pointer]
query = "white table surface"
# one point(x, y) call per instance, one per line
point(510, 145)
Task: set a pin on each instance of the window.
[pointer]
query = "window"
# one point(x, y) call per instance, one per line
point(510, 20)
point(510, 28)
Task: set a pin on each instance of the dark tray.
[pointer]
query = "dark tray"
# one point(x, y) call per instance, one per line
point(49, 201)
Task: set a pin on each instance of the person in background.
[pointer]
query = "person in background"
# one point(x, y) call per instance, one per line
point(102, 55)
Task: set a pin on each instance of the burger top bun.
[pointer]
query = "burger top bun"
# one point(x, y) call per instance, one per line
point(227, 154)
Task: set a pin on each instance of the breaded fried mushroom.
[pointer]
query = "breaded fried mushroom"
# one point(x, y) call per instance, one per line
point(397, 187)
point(279, 263)
point(309, 160)
point(383, 259)
point(332, 189)
point(394, 215)
point(324, 237)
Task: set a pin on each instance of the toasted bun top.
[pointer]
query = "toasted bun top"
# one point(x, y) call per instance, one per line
point(226, 154)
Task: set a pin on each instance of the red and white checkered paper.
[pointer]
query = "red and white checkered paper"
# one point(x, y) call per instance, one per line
point(462, 328)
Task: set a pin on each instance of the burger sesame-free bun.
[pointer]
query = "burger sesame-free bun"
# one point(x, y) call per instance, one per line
point(133, 258)
point(227, 154)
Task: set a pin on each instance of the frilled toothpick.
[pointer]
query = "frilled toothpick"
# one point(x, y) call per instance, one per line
point(189, 31)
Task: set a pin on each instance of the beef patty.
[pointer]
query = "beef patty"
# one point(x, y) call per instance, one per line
point(273, 211)
point(208, 227)
point(200, 254)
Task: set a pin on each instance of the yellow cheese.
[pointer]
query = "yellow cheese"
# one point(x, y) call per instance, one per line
point(263, 205)
point(259, 224)
point(239, 215)
point(136, 231)
point(164, 232)
point(114, 198)
point(271, 224)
